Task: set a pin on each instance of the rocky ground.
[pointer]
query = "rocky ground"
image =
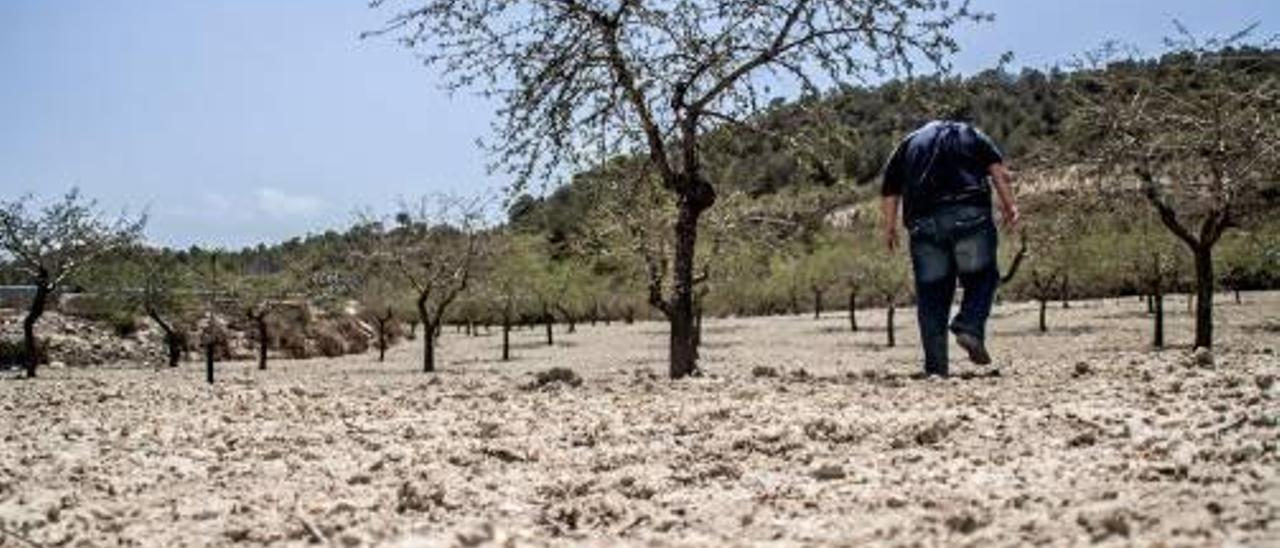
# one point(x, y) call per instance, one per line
point(801, 434)
point(73, 341)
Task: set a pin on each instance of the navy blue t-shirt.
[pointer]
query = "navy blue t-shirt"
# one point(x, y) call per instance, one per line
point(942, 163)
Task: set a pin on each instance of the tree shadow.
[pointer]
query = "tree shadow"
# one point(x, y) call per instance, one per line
point(1072, 331)
point(844, 329)
point(720, 329)
point(713, 345)
point(533, 345)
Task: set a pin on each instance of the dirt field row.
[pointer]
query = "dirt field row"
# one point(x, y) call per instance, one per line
point(1076, 436)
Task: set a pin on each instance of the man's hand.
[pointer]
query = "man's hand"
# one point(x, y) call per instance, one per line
point(891, 238)
point(1002, 178)
point(1010, 216)
point(889, 216)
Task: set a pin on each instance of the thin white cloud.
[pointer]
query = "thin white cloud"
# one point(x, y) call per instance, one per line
point(278, 203)
point(215, 201)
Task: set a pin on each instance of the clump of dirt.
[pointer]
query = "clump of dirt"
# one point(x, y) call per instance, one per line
point(556, 376)
point(1203, 357)
point(764, 372)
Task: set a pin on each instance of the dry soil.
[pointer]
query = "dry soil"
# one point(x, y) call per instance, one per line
point(801, 433)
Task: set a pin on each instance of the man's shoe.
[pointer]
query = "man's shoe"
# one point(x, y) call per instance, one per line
point(973, 345)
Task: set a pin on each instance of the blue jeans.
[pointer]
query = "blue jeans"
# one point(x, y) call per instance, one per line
point(952, 242)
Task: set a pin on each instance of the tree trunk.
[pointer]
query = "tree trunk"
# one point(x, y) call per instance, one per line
point(261, 321)
point(889, 328)
point(684, 350)
point(1151, 304)
point(1237, 292)
point(31, 353)
point(697, 323)
point(382, 337)
point(548, 320)
point(1065, 292)
point(506, 337)
point(429, 332)
point(853, 311)
point(1044, 305)
point(817, 304)
point(208, 361)
point(1158, 342)
point(171, 343)
point(1204, 296)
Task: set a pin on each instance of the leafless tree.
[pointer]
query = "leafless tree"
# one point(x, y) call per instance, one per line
point(580, 81)
point(1198, 137)
point(51, 245)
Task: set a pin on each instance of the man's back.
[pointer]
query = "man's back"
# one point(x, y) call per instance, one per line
point(942, 163)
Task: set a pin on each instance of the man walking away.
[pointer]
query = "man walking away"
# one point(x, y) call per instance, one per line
point(942, 176)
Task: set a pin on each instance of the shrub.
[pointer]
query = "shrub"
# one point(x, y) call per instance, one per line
point(329, 342)
point(124, 324)
point(355, 335)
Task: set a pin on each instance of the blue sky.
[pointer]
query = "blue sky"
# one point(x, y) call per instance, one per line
point(239, 121)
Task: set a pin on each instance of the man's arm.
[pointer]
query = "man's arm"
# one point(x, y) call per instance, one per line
point(891, 194)
point(889, 212)
point(1001, 178)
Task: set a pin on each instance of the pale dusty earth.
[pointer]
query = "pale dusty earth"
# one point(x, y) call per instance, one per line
point(1082, 435)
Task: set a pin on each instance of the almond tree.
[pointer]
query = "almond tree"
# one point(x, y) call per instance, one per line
point(149, 281)
point(382, 301)
point(1154, 264)
point(211, 278)
point(258, 296)
point(1199, 136)
point(508, 280)
point(580, 81)
point(888, 275)
point(1048, 258)
point(50, 245)
point(432, 246)
point(155, 282)
point(168, 300)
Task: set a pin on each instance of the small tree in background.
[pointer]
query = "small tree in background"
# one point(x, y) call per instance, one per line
point(508, 280)
point(152, 282)
point(50, 246)
point(1248, 259)
point(854, 270)
point(433, 246)
point(212, 281)
point(820, 270)
point(1048, 262)
point(1200, 137)
point(888, 275)
point(383, 302)
point(258, 296)
point(167, 298)
point(155, 282)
